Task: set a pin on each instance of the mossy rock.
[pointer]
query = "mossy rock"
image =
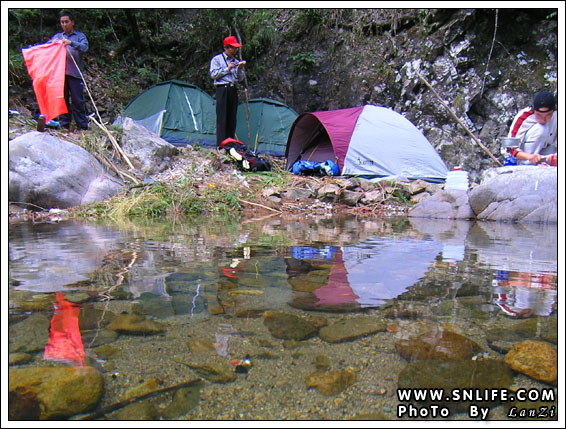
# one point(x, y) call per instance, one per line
point(351, 329)
point(536, 359)
point(214, 370)
point(503, 339)
point(331, 382)
point(135, 325)
point(53, 392)
point(289, 326)
point(456, 374)
point(437, 344)
point(29, 335)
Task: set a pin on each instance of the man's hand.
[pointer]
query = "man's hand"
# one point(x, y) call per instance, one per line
point(241, 64)
point(67, 41)
point(534, 158)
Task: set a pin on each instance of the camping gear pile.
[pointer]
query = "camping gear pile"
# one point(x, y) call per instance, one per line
point(245, 159)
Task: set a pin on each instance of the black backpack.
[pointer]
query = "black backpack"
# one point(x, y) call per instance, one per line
point(245, 159)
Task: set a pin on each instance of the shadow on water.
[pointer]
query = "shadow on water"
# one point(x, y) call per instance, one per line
point(96, 295)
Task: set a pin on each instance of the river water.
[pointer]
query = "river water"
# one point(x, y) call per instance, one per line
point(209, 285)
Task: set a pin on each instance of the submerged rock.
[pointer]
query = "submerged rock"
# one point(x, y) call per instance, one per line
point(437, 344)
point(540, 328)
point(183, 401)
point(29, 335)
point(473, 375)
point(53, 392)
point(331, 382)
point(214, 370)
point(134, 324)
point(289, 326)
point(350, 329)
point(537, 359)
point(19, 358)
point(322, 362)
point(143, 388)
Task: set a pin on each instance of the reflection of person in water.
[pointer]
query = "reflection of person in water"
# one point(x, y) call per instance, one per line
point(523, 295)
point(65, 342)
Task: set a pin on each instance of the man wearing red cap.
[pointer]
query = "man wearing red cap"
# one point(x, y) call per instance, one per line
point(227, 71)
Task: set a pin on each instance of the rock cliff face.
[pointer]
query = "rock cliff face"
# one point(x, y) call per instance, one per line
point(485, 64)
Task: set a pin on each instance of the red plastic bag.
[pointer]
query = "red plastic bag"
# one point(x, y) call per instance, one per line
point(46, 66)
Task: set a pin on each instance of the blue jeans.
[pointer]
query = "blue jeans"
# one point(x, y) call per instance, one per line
point(74, 97)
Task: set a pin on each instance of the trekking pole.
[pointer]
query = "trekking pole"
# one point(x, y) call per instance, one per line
point(245, 85)
point(459, 121)
point(101, 124)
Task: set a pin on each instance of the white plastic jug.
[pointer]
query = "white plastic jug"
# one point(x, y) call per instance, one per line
point(457, 180)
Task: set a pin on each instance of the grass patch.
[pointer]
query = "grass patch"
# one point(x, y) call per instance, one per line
point(161, 200)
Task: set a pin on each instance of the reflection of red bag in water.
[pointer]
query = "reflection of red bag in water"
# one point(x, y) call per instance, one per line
point(65, 342)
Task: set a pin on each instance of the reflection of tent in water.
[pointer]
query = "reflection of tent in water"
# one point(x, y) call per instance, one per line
point(370, 273)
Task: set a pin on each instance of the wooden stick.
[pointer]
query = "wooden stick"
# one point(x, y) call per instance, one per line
point(113, 140)
point(110, 408)
point(245, 87)
point(459, 121)
point(101, 124)
point(258, 205)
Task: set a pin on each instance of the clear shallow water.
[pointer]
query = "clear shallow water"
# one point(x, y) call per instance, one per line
point(210, 283)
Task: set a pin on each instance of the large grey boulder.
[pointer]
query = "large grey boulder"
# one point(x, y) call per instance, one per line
point(147, 151)
point(53, 173)
point(517, 193)
point(511, 194)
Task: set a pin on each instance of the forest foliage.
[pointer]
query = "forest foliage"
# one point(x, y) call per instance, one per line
point(132, 49)
point(152, 45)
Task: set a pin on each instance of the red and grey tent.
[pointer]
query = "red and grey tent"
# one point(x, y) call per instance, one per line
point(369, 141)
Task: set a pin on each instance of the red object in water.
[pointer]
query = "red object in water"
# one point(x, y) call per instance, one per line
point(65, 342)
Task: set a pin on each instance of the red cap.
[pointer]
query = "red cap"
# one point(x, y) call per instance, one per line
point(232, 41)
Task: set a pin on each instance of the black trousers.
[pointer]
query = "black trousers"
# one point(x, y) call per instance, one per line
point(226, 111)
point(74, 97)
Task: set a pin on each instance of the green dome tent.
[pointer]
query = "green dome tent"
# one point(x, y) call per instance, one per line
point(270, 123)
point(177, 111)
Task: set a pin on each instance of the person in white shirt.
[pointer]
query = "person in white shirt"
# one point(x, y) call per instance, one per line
point(536, 126)
point(227, 71)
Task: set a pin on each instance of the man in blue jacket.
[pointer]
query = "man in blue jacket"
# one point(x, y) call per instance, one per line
point(77, 44)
